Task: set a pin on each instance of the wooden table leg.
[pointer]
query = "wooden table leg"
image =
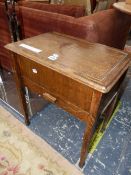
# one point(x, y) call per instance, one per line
point(85, 145)
point(90, 125)
point(20, 88)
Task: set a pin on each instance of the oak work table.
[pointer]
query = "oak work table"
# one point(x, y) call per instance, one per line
point(81, 77)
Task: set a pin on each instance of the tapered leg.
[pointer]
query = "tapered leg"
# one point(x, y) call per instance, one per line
point(85, 145)
point(22, 99)
point(91, 121)
point(20, 88)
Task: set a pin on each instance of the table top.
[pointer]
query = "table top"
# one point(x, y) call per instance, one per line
point(95, 65)
point(123, 7)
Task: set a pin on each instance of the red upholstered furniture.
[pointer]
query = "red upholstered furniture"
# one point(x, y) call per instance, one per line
point(5, 36)
point(69, 10)
point(109, 27)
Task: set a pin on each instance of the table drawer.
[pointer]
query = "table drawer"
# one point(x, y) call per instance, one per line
point(57, 84)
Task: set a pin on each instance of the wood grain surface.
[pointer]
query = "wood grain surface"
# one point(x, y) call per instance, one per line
point(95, 65)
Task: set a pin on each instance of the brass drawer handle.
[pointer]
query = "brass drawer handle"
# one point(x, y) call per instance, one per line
point(49, 97)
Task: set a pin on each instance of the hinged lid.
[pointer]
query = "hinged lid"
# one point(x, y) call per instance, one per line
point(95, 65)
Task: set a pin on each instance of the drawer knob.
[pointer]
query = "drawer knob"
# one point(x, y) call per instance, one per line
point(49, 97)
point(34, 71)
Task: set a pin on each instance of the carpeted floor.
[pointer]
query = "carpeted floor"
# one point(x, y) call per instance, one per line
point(24, 153)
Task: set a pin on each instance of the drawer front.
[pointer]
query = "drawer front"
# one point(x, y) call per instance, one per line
point(57, 84)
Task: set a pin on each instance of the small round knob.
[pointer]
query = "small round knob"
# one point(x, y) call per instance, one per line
point(34, 71)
